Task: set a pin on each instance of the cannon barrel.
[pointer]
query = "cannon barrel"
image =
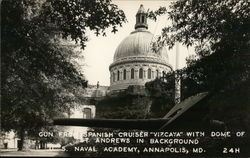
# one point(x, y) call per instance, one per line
point(142, 124)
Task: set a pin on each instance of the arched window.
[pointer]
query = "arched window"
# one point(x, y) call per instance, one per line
point(163, 73)
point(124, 74)
point(140, 73)
point(132, 73)
point(149, 73)
point(118, 75)
point(113, 77)
point(157, 73)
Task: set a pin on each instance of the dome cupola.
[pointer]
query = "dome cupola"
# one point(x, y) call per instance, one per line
point(141, 18)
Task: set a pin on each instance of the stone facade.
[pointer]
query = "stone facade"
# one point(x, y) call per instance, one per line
point(135, 73)
point(95, 91)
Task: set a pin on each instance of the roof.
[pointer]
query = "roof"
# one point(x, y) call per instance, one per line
point(141, 9)
point(138, 44)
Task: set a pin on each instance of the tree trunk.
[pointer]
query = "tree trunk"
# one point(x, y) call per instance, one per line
point(21, 142)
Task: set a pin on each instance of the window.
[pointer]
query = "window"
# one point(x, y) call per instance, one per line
point(124, 74)
point(113, 77)
point(132, 73)
point(149, 73)
point(157, 73)
point(118, 75)
point(143, 18)
point(163, 73)
point(140, 73)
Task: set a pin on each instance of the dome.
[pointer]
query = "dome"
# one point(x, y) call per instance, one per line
point(138, 44)
point(135, 63)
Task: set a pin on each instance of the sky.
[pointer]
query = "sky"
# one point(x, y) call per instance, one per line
point(98, 54)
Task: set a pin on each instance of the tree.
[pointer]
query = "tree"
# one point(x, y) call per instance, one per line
point(219, 31)
point(39, 79)
point(162, 94)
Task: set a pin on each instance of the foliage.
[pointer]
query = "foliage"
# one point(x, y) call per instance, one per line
point(40, 80)
point(219, 31)
point(162, 93)
point(123, 106)
point(73, 17)
point(200, 22)
point(158, 87)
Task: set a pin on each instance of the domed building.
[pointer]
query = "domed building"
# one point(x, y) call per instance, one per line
point(134, 62)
